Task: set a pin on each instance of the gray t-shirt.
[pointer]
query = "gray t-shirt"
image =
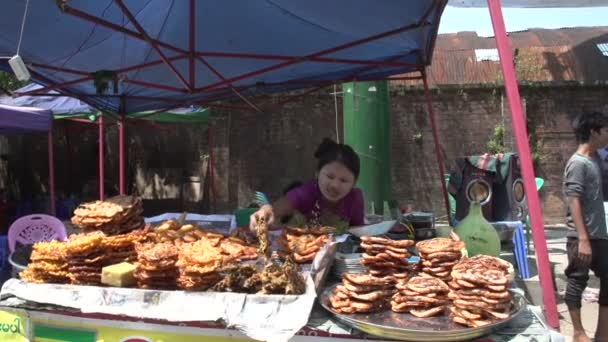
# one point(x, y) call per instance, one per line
point(583, 179)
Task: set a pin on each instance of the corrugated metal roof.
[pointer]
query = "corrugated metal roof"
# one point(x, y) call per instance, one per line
point(543, 55)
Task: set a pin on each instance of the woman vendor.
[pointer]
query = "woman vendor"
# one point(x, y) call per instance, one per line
point(330, 199)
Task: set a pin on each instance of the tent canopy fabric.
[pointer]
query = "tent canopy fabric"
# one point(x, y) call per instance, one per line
point(65, 107)
point(59, 105)
point(154, 54)
point(17, 120)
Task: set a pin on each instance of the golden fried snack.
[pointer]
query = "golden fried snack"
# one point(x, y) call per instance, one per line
point(479, 291)
point(364, 279)
point(376, 240)
point(423, 313)
point(439, 245)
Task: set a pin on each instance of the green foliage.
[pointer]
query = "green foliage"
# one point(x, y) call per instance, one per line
point(8, 81)
point(497, 143)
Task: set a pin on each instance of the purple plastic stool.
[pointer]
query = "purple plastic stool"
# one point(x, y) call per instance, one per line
point(34, 228)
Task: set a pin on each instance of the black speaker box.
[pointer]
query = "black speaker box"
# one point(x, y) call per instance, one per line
point(509, 195)
point(476, 185)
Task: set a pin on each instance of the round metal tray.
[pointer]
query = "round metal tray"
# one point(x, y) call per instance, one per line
point(403, 326)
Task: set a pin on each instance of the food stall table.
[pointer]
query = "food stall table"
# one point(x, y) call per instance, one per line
point(22, 320)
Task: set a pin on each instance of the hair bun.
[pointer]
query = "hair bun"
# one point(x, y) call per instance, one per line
point(326, 145)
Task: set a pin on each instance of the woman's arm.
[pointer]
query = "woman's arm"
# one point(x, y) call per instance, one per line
point(272, 213)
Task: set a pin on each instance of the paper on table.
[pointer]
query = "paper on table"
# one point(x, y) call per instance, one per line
point(274, 318)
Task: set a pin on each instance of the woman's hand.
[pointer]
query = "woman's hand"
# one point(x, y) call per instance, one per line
point(265, 212)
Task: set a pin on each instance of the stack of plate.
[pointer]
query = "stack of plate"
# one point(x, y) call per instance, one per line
point(347, 263)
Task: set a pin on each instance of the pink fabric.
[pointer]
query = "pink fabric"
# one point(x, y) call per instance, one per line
point(303, 199)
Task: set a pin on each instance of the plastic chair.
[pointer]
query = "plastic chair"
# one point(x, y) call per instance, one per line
point(35, 228)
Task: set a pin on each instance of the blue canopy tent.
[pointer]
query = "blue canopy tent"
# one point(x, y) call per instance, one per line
point(20, 120)
point(58, 105)
point(153, 54)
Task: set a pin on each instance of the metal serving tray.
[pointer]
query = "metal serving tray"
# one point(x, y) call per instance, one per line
point(403, 326)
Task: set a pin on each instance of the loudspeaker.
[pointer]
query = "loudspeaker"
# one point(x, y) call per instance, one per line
point(509, 194)
point(475, 185)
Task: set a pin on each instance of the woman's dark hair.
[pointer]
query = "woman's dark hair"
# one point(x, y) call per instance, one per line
point(330, 151)
point(587, 122)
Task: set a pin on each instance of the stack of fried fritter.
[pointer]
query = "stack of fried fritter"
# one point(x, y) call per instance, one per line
point(155, 268)
point(422, 296)
point(387, 258)
point(232, 248)
point(86, 255)
point(198, 264)
point(361, 293)
point(48, 264)
point(121, 248)
point(116, 215)
point(303, 244)
point(480, 292)
point(439, 255)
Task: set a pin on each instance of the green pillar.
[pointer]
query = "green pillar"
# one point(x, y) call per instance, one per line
point(367, 130)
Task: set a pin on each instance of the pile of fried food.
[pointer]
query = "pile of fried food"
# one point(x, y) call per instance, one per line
point(172, 256)
point(48, 264)
point(386, 257)
point(479, 291)
point(79, 260)
point(198, 265)
point(361, 293)
point(231, 248)
point(303, 244)
point(439, 255)
point(475, 290)
point(421, 296)
point(116, 215)
point(155, 268)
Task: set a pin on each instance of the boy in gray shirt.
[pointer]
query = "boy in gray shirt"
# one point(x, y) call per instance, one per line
point(587, 245)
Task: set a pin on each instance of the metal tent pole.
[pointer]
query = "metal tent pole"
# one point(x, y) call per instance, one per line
point(438, 153)
point(51, 172)
point(523, 146)
point(121, 156)
point(101, 166)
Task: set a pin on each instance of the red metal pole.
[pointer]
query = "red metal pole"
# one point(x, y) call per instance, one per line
point(149, 64)
point(212, 166)
point(54, 86)
point(101, 161)
point(55, 68)
point(313, 59)
point(438, 152)
point(155, 85)
point(117, 28)
point(192, 44)
point(121, 156)
point(51, 172)
point(238, 93)
point(154, 45)
point(305, 58)
point(523, 146)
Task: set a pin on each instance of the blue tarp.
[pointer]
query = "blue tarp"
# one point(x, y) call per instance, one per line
point(281, 28)
point(68, 107)
point(16, 120)
point(57, 104)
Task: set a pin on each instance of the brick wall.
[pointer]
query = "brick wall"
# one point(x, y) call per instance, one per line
point(270, 150)
point(267, 151)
